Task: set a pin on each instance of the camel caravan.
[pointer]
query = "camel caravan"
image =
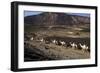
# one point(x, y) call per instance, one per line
point(72, 45)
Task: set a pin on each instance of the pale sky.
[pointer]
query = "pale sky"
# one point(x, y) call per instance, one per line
point(29, 13)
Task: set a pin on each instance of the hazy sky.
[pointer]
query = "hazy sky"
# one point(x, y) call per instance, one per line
point(81, 14)
point(29, 13)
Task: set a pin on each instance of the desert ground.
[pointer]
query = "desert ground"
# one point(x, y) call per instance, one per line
point(39, 42)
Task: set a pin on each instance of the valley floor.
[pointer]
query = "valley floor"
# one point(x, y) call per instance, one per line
point(35, 50)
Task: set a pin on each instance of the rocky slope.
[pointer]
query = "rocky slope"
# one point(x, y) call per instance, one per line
point(48, 18)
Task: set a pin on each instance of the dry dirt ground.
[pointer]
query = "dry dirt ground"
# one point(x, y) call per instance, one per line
point(41, 51)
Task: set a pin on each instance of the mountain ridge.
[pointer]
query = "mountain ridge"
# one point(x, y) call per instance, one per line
point(51, 18)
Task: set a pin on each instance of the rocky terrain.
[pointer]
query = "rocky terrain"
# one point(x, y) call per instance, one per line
point(39, 51)
point(48, 18)
point(42, 30)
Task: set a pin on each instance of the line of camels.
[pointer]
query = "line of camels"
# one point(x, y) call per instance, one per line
point(73, 45)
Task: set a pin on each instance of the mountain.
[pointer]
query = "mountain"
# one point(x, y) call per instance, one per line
point(51, 18)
